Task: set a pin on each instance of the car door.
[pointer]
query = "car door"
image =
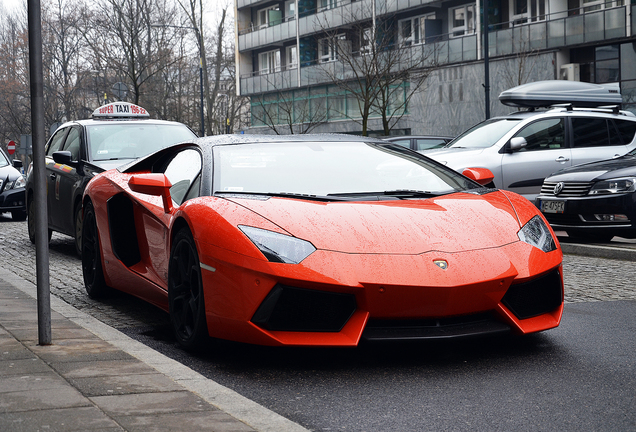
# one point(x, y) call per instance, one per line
point(595, 139)
point(65, 178)
point(545, 152)
point(52, 195)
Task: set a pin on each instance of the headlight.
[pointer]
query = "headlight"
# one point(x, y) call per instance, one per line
point(278, 247)
point(537, 234)
point(19, 183)
point(620, 185)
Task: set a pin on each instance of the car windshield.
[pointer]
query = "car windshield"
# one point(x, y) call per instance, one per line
point(484, 134)
point(331, 168)
point(131, 140)
point(3, 160)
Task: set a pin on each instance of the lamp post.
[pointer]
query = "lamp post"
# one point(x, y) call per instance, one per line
point(200, 42)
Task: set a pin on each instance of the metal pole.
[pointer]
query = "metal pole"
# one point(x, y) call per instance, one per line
point(201, 83)
point(39, 173)
point(486, 61)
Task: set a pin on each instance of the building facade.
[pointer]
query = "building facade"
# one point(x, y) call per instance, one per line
point(293, 57)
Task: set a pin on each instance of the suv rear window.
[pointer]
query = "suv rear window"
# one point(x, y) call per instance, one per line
point(626, 129)
point(593, 132)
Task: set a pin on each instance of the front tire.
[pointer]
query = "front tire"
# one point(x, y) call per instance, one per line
point(91, 256)
point(185, 292)
point(78, 229)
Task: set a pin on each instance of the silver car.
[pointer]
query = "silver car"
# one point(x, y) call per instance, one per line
point(523, 148)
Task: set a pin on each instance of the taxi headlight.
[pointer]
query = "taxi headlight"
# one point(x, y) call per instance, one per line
point(613, 186)
point(19, 183)
point(536, 233)
point(278, 247)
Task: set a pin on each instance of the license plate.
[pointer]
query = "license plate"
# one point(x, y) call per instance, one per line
point(552, 206)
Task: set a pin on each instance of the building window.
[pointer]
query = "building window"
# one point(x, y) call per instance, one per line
point(328, 48)
point(269, 62)
point(268, 17)
point(327, 4)
point(524, 11)
point(412, 30)
point(291, 57)
point(366, 36)
point(462, 20)
point(290, 10)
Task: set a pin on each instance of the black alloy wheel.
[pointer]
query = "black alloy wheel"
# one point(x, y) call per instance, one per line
point(185, 292)
point(91, 256)
point(31, 221)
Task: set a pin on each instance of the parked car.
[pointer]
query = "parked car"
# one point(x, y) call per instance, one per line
point(116, 134)
point(420, 142)
point(319, 240)
point(12, 198)
point(594, 201)
point(523, 148)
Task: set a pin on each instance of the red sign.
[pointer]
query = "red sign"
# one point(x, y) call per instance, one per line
point(11, 147)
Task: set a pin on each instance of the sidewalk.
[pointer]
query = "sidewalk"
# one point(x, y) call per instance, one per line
point(94, 378)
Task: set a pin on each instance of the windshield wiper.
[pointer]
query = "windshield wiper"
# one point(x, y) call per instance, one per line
point(398, 193)
point(281, 194)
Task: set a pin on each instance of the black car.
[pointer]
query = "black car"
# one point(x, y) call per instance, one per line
point(12, 188)
point(594, 201)
point(117, 134)
point(420, 142)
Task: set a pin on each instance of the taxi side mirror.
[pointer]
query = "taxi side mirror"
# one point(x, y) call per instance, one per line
point(483, 176)
point(64, 157)
point(153, 184)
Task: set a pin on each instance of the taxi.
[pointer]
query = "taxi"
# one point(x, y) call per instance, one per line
point(116, 134)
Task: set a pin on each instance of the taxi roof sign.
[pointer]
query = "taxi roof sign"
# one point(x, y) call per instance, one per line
point(120, 110)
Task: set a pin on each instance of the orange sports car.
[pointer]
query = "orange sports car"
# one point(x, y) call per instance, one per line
point(319, 240)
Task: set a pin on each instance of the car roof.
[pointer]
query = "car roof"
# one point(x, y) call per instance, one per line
point(255, 138)
point(401, 137)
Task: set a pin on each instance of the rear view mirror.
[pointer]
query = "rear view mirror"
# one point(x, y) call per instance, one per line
point(153, 184)
point(483, 176)
point(517, 143)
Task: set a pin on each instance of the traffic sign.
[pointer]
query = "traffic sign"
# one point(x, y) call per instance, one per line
point(11, 147)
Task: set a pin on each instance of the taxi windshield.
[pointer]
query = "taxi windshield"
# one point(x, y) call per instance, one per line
point(132, 140)
point(484, 134)
point(330, 168)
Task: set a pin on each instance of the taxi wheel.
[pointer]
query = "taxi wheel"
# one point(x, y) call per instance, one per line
point(91, 258)
point(185, 292)
point(31, 222)
point(78, 229)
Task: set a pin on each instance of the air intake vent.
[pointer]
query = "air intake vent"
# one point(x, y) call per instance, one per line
point(539, 296)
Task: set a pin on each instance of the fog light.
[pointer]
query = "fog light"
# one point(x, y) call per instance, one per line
point(611, 217)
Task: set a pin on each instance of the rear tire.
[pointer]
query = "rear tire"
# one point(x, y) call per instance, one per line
point(91, 256)
point(185, 293)
point(78, 229)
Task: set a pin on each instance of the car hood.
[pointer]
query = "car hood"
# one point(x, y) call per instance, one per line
point(9, 172)
point(612, 168)
point(457, 222)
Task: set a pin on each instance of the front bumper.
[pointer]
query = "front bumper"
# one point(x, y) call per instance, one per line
point(13, 200)
point(580, 213)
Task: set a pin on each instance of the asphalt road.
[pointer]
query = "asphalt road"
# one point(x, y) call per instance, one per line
point(580, 376)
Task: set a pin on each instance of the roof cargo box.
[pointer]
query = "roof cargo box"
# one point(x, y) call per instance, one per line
point(548, 93)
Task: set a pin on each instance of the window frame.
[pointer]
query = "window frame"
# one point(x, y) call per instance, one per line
point(269, 56)
point(465, 29)
point(414, 23)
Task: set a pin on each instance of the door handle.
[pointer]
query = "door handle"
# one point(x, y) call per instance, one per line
point(52, 176)
point(562, 159)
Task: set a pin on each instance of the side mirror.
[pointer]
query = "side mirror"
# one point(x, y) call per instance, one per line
point(153, 184)
point(517, 143)
point(64, 157)
point(17, 163)
point(483, 176)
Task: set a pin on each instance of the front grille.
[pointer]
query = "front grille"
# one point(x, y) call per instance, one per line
point(296, 309)
point(570, 189)
point(539, 296)
point(437, 328)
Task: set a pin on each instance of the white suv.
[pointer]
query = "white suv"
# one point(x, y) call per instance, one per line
point(523, 148)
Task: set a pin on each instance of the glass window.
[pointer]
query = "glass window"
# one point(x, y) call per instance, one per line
point(182, 170)
point(412, 31)
point(132, 140)
point(291, 57)
point(337, 109)
point(290, 12)
point(462, 20)
point(73, 144)
point(328, 48)
point(590, 132)
point(485, 134)
point(626, 129)
point(322, 168)
point(544, 135)
point(429, 143)
point(267, 16)
point(269, 62)
point(403, 142)
point(56, 142)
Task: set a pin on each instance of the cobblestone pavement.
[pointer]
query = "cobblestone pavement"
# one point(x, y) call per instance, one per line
point(586, 278)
